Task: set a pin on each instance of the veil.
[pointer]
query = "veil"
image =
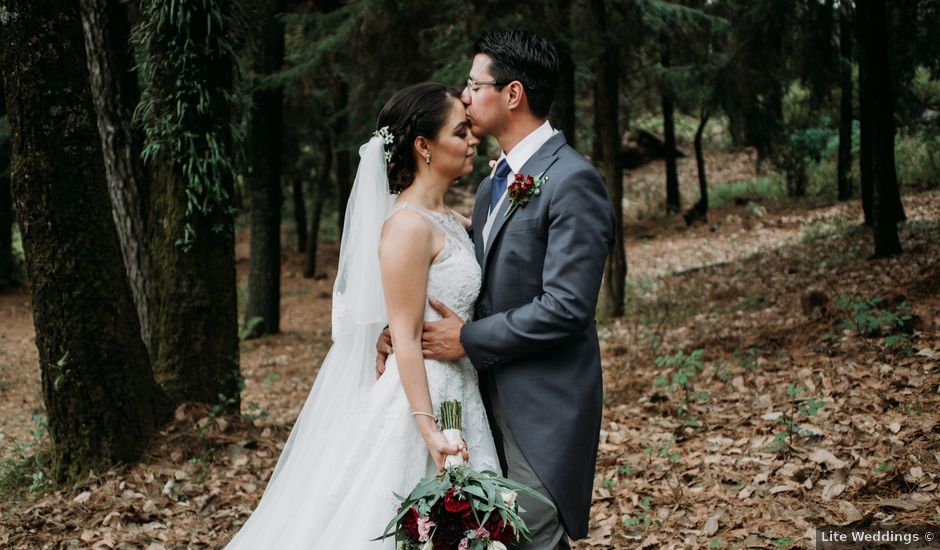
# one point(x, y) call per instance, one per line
point(359, 314)
point(357, 293)
point(316, 447)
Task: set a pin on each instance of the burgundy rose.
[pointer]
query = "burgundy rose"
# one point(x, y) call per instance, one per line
point(409, 523)
point(454, 502)
point(499, 529)
point(468, 519)
point(449, 532)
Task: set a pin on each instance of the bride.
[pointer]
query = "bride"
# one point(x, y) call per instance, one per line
point(358, 441)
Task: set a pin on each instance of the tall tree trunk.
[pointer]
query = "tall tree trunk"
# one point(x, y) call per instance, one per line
point(564, 106)
point(264, 143)
point(115, 93)
point(673, 201)
point(6, 202)
point(293, 165)
point(317, 189)
point(845, 108)
point(700, 210)
point(597, 147)
point(558, 13)
point(343, 184)
point(866, 120)
point(310, 259)
point(194, 316)
point(887, 208)
point(300, 212)
point(343, 155)
point(99, 392)
point(607, 101)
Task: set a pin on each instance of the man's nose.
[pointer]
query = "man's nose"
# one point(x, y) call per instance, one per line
point(465, 96)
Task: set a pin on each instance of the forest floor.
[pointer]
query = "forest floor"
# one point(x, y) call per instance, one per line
point(813, 401)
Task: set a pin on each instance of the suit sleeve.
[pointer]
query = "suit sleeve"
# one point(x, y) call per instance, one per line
point(580, 234)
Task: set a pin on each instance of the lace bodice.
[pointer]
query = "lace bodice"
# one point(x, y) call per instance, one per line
point(455, 275)
point(454, 279)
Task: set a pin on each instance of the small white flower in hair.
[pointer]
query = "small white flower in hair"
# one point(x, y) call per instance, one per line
point(387, 137)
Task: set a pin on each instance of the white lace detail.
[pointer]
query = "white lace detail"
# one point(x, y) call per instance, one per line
point(455, 275)
point(454, 279)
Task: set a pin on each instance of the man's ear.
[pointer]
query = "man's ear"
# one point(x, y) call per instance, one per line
point(516, 95)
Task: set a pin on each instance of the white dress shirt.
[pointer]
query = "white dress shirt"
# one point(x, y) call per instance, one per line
point(516, 159)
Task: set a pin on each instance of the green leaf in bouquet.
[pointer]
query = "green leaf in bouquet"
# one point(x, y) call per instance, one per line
point(423, 488)
point(520, 488)
point(390, 528)
point(493, 492)
point(475, 491)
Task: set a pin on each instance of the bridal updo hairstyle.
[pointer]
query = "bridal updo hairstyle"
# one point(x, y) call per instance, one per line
point(418, 110)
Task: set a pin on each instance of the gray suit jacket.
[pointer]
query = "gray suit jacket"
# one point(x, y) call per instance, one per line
point(534, 330)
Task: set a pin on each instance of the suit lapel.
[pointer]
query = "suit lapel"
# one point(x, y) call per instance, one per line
point(478, 219)
point(540, 162)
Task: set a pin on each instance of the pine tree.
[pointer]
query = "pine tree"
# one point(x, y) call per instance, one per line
point(875, 43)
point(607, 121)
point(266, 47)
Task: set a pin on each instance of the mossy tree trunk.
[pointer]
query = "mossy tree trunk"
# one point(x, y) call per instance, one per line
point(98, 388)
point(194, 309)
point(262, 311)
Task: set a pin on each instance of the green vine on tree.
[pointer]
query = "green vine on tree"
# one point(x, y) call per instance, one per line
point(178, 42)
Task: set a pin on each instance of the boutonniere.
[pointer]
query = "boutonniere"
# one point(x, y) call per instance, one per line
point(522, 189)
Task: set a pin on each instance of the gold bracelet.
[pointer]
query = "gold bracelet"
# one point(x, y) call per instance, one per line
point(424, 414)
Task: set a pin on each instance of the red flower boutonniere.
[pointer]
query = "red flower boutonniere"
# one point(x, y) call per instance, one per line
point(522, 189)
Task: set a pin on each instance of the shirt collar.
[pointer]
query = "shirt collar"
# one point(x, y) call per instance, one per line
point(529, 145)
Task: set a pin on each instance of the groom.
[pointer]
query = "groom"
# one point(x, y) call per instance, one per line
point(534, 337)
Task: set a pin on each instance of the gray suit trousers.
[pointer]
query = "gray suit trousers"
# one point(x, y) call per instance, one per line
point(548, 533)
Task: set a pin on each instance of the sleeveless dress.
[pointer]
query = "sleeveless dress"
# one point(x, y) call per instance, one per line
point(341, 494)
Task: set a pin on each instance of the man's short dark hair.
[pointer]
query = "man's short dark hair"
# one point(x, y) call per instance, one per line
point(526, 57)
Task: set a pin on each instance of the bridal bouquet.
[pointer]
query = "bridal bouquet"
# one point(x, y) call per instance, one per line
point(460, 509)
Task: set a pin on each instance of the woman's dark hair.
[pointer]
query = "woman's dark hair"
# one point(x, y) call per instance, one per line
point(418, 110)
point(526, 57)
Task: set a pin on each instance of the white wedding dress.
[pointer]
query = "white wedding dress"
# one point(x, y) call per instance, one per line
point(355, 444)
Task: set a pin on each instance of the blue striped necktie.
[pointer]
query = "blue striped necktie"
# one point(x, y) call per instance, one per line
point(498, 183)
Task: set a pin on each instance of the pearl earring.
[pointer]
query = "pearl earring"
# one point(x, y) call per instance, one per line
point(427, 159)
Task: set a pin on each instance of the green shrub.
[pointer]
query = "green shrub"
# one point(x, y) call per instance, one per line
point(771, 187)
point(917, 157)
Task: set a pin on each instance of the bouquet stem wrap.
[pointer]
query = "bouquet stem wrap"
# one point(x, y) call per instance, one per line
point(452, 428)
point(456, 437)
